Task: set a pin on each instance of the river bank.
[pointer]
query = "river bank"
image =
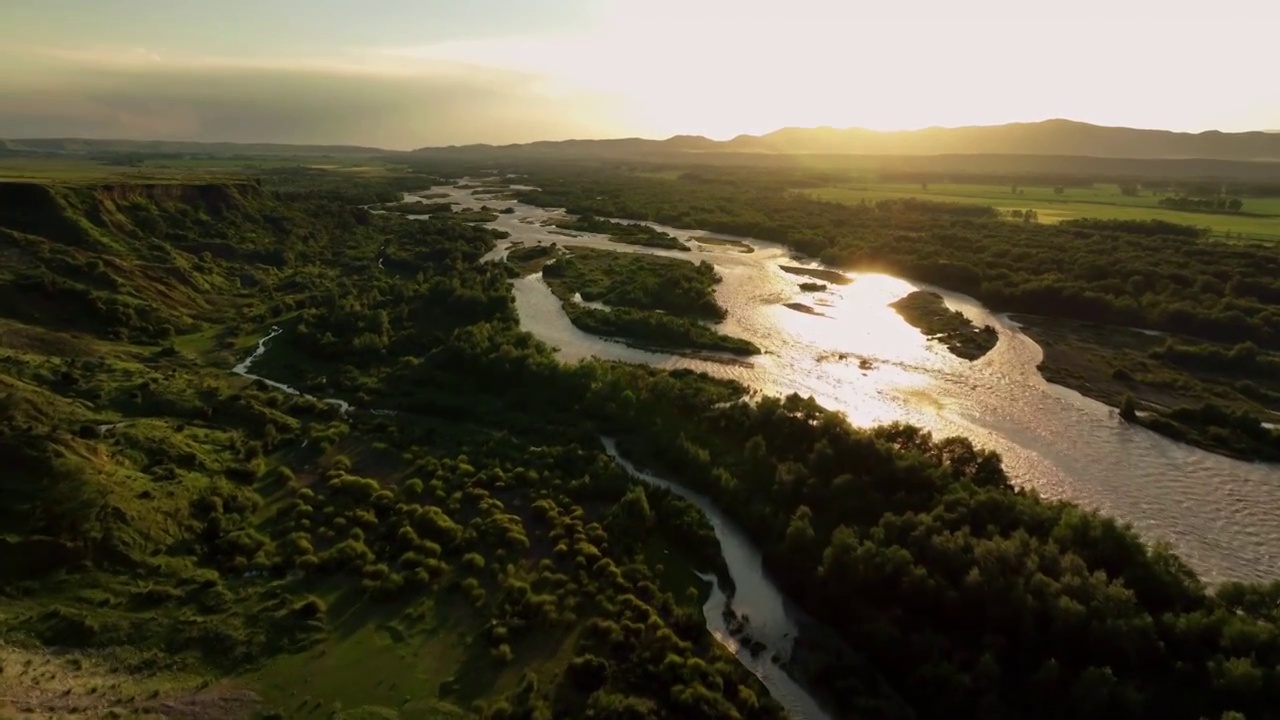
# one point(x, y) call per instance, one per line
point(1189, 400)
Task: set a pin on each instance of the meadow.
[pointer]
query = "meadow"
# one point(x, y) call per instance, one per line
point(1260, 217)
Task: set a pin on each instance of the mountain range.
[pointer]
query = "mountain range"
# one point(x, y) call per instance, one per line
point(1062, 138)
point(1048, 137)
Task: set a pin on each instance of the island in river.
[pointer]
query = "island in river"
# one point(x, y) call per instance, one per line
point(928, 312)
point(831, 276)
point(625, 233)
point(652, 302)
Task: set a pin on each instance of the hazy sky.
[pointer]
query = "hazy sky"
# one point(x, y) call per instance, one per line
point(408, 73)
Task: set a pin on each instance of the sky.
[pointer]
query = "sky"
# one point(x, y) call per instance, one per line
point(412, 73)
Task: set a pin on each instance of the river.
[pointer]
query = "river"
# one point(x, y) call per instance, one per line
point(1221, 515)
point(860, 357)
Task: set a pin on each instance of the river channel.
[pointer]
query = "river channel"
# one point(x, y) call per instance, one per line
point(1222, 515)
point(853, 353)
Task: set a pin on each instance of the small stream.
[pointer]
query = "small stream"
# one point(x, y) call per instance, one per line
point(243, 370)
point(757, 602)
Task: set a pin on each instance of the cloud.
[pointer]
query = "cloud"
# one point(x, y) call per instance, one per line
point(352, 97)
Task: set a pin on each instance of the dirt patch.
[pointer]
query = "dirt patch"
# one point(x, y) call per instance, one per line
point(207, 705)
point(44, 684)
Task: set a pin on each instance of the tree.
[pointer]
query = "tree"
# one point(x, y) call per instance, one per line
point(800, 538)
point(1128, 408)
point(1234, 204)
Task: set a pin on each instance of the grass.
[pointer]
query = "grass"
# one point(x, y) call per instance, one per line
point(1261, 217)
point(374, 662)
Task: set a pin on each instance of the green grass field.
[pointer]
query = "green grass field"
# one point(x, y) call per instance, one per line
point(1260, 219)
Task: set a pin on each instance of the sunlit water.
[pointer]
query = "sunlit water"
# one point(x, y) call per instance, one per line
point(1221, 515)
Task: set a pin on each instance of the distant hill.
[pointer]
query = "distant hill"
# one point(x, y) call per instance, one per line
point(82, 146)
point(1050, 137)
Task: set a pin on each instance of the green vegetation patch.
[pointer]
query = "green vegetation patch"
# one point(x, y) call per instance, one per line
point(652, 330)
point(740, 245)
point(1211, 395)
point(655, 302)
point(530, 259)
point(928, 312)
point(485, 214)
point(627, 233)
point(418, 208)
point(638, 281)
point(831, 276)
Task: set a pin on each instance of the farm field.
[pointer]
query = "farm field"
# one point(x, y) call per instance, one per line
point(1260, 218)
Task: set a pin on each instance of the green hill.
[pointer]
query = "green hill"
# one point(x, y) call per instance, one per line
point(193, 538)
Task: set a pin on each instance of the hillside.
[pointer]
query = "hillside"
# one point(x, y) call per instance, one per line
point(181, 539)
point(1047, 138)
point(80, 146)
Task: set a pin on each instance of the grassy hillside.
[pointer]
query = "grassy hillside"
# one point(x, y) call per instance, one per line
point(191, 540)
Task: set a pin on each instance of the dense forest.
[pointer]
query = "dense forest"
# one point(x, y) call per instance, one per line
point(969, 597)
point(458, 544)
